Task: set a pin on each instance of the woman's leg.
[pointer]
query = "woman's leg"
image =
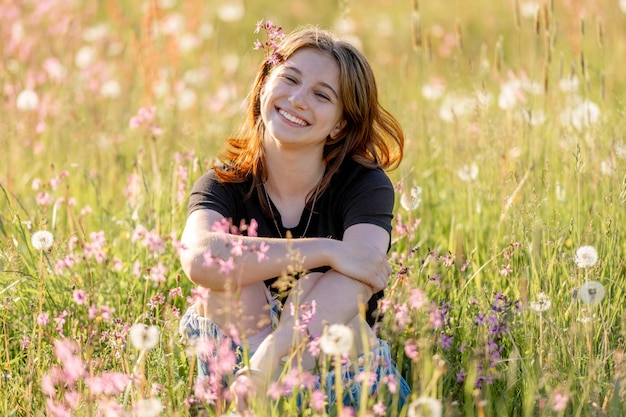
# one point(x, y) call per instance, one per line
point(242, 320)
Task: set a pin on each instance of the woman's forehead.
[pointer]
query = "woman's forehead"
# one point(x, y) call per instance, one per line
point(314, 62)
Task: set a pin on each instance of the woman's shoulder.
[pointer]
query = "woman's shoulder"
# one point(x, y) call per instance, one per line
point(211, 180)
point(352, 172)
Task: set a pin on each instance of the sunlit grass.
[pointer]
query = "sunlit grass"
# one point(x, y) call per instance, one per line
point(515, 137)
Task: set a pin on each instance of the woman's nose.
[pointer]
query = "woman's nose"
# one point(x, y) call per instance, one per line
point(297, 98)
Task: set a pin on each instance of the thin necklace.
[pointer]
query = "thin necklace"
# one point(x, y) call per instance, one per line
point(308, 222)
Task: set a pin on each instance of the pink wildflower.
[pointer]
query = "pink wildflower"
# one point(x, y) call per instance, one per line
point(417, 298)
point(252, 228)
point(410, 349)
point(199, 294)
point(261, 251)
point(238, 247)
point(43, 319)
point(55, 409)
point(314, 347)
point(80, 297)
point(73, 366)
point(304, 317)
point(221, 226)
point(60, 320)
point(157, 273)
point(25, 342)
point(207, 259)
point(384, 305)
point(43, 199)
point(559, 401)
point(117, 264)
point(379, 409)
point(401, 315)
point(175, 292)
point(106, 312)
point(226, 266)
point(318, 400)
point(392, 384)
point(93, 312)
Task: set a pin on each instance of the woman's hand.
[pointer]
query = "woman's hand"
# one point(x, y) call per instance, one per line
point(362, 255)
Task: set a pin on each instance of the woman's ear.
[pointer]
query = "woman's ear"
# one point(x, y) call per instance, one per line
point(337, 129)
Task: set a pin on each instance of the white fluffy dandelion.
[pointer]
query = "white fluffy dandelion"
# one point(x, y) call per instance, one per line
point(27, 100)
point(586, 257)
point(231, 12)
point(42, 240)
point(148, 407)
point(468, 173)
point(425, 407)
point(411, 200)
point(433, 90)
point(143, 336)
point(542, 304)
point(591, 292)
point(337, 339)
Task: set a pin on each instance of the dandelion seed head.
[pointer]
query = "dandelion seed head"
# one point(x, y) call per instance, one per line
point(454, 106)
point(27, 100)
point(231, 12)
point(434, 89)
point(591, 292)
point(529, 9)
point(586, 257)
point(85, 57)
point(620, 148)
point(42, 240)
point(148, 407)
point(411, 200)
point(144, 337)
point(111, 89)
point(468, 173)
point(560, 192)
point(543, 303)
point(569, 85)
point(425, 407)
point(336, 340)
point(607, 167)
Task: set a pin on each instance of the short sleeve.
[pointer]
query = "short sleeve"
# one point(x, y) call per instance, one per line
point(209, 193)
point(369, 199)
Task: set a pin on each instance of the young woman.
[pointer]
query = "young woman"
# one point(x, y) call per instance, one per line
point(307, 167)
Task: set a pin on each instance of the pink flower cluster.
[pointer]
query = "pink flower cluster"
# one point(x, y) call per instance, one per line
point(145, 119)
point(63, 384)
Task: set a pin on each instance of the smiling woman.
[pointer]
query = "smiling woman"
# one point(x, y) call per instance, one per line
point(308, 163)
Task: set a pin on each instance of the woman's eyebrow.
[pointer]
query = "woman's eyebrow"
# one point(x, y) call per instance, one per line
point(322, 83)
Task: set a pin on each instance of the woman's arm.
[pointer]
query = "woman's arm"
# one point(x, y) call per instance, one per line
point(355, 257)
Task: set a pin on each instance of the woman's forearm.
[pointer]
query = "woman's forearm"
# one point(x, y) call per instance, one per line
point(227, 262)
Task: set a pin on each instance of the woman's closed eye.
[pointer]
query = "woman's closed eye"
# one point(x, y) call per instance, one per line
point(322, 95)
point(290, 79)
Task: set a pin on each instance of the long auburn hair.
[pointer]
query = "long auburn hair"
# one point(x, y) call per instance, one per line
point(371, 135)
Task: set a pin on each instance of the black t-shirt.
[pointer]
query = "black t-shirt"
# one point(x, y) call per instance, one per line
point(356, 194)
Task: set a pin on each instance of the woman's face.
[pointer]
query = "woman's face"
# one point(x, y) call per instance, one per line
point(300, 102)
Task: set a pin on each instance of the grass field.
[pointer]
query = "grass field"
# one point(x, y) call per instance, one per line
point(508, 296)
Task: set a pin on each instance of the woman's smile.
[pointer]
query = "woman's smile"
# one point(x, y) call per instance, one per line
point(292, 118)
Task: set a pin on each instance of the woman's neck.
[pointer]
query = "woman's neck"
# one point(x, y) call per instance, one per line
point(292, 175)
